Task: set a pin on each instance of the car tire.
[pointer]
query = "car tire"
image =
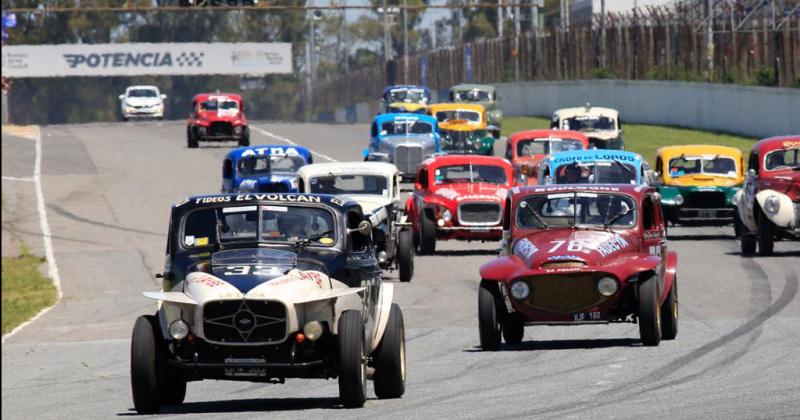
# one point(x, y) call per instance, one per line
point(489, 318)
point(427, 234)
point(191, 139)
point(245, 139)
point(649, 311)
point(390, 360)
point(737, 224)
point(146, 366)
point(748, 242)
point(766, 236)
point(352, 366)
point(669, 313)
point(405, 255)
point(513, 328)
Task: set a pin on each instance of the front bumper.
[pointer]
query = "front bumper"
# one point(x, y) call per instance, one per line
point(143, 113)
point(251, 371)
point(470, 233)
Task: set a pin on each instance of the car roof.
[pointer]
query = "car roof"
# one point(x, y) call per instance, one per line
point(698, 149)
point(583, 110)
point(441, 160)
point(457, 106)
point(777, 142)
point(404, 116)
point(545, 133)
point(633, 190)
point(204, 96)
point(151, 87)
point(388, 88)
point(267, 149)
point(344, 168)
point(231, 200)
point(562, 158)
point(472, 86)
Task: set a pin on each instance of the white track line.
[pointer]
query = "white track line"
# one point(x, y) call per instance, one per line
point(289, 141)
point(52, 268)
point(14, 178)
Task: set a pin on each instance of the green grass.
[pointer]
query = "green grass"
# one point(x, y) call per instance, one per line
point(25, 290)
point(643, 139)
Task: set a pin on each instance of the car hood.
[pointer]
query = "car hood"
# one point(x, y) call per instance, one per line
point(143, 101)
point(784, 181)
point(475, 191)
point(220, 116)
point(704, 180)
point(593, 247)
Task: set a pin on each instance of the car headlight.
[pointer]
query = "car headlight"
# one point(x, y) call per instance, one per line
point(520, 290)
point(772, 205)
point(313, 330)
point(607, 286)
point(178, 329)
point(679, 200)
point(447, 216)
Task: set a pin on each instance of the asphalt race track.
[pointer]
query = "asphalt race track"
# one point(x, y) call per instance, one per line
point(108, 189)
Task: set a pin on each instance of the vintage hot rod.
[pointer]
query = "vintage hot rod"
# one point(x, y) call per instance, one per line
point(603, 126)
point(595, 166)
point(404, 140)
point(462, 128)
point(527, 149)
point(263, 168)
point(217, 117)
point(267, 286)
point(580, 254)
point(485, 95)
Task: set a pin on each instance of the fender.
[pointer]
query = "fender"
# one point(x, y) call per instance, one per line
point(384, 307)
point(411, 214)
point(785, 215)
point(325, 294)
point(503, 268)
point(171, 297)
point(672, 266)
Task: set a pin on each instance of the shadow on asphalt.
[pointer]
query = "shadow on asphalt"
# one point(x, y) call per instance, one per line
point(247, 405)
point(700, 237)
point(775, 254)
point(466, 252)
point(565, 345)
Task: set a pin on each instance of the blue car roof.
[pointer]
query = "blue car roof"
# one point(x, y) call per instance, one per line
point(380, 119)
point(268, 149)
point(594, 155)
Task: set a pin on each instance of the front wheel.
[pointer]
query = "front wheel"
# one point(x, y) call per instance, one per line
point(427, 234)
point(489, 318)
point(669, 313)
point(390, 359)
point(649, 311)
point(405, 255)
point(737, 224)
point(766, 238)
point(748, 243)
point(191, 139)
point(514, 328)
point(352, 366)
point(146, 369)
point(245, 139)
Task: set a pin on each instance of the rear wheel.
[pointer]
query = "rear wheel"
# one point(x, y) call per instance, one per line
point(669, 313)
point(489, 315)
point(513, 328)
point(737, 224)
point(748, 242)
point(649, 311)
point(191, 139)
point(352, 369)
point(427, 234)
point(146, 366)
point(390, 359)
point(766, 238)
point(405, 255)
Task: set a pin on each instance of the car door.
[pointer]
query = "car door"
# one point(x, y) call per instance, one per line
point(750, 189)
point(654, 237)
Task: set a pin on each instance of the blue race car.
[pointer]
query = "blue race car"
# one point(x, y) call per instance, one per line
point(403, 139)
point(263, 168)
point(595, 166)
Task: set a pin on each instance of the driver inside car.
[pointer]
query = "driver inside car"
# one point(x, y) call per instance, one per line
point(292, 225)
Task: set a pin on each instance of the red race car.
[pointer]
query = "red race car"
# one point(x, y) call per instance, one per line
point(458, 197)
point(217, 117)
point(578, 254)
point(768, 205)
point(526, 149)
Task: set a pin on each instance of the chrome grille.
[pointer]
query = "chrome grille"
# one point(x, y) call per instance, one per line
point(244, 321)
point(407, 158)
point(564, 293)
point(479, 214)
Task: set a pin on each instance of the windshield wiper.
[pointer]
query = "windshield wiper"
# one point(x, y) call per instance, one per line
point(535, 216)
point(301, 243)
point(613, 219)
point(627, 169)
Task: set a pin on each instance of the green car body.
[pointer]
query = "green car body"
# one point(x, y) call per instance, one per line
point(485, 95)
point(461, 138)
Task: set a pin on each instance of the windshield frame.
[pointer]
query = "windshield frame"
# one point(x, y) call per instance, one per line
point(387, 178)
point(784, 167)
point(472, 178)
point(593, 165)
point(575, 225)
point(579, 118)
point(703, 159)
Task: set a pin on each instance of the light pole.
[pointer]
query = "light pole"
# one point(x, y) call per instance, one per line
point(405, 42)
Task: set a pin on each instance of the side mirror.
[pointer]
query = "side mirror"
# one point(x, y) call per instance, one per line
point(121, 97)
point(364, 228)
point(751, 173)
point(163, 96)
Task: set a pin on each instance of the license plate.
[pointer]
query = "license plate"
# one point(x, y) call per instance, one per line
point(586, 316)
point(232, 370)
point(706, 214)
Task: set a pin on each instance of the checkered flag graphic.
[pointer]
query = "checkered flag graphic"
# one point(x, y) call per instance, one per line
point(190, 59)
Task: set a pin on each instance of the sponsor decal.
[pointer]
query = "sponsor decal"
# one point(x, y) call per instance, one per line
point(586, 316)
point(189, 240)
point(147, 59)
point(478, 197)
point(207, 281)
point(268, 151)
point(612, 245)
point(525, 249)
point(201, 241)
point(595, 157)
point(446, 192)
point(556, 188)
point(791, 144)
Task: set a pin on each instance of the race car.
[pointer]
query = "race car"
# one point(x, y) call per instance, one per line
point(376, 187)
point(697, 183)
point(603, 126)
point(142, 102)
point(217, 117)
point(262, 287)
point(458, 197)
point(484, 95)
point(404, 140)
point(580, 254)
point(263, 168)
point(527, 149)
point(595, 166)
point(462, 128)
point(400, 97)
point(768, 205)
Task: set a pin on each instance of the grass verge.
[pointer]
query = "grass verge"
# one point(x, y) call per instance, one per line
point(25, 290)
point(640, 138)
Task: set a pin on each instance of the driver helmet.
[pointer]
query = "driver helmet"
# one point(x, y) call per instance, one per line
point(292, 224)
point(249, 164)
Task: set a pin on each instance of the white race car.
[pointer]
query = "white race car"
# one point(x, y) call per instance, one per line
point(142, 102)
point(264, 287)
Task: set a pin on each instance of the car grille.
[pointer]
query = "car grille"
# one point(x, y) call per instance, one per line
point(244, 321)
point(221, 128)
point(479, 214)
point(407, 158)
point(274, 187)
point(564, 293)
point(705, 200)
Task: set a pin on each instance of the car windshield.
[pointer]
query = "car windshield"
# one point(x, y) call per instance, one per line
point(271, 224)
point(217, 105)
point(786, 158)
point(405, 127)
point(546, 146)
point(596, 173)
point(407, 95)
point(259, 165)
point(470, 173)
point(142, 93)
point(588, 123)
point(458, 114)
point(575, 209)
point(474, 95)
point(350, 184)
point(693, 165)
